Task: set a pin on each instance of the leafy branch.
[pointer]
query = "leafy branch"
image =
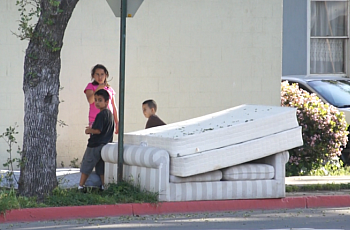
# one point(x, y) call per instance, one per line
point(28, 10)
point(9, 137)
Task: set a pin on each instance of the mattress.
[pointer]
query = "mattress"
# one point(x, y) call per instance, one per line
point(235, 154)
point(216, 130)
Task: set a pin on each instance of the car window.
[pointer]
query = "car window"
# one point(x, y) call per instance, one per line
point(301, 86)
point(336, 92)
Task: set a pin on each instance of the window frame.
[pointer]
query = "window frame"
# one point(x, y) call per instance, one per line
point(309, 37)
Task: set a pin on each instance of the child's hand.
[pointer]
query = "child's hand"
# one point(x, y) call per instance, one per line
point(116, 128)
point(101, 86)
point(87, 130)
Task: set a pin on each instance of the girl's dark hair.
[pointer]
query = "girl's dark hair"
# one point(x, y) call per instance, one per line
point(99, 66)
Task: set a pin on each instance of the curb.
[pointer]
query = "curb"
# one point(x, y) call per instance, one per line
point(94, 211)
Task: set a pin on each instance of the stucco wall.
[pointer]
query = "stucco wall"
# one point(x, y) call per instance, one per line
point(192, 56)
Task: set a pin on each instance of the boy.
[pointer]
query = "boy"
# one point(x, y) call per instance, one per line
point(101, 133)
point(149, 109)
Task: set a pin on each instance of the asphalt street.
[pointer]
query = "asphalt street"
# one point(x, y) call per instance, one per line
point(336, 218)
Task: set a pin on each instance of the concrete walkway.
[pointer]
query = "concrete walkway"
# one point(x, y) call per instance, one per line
point(67, 178)
point(312, 180)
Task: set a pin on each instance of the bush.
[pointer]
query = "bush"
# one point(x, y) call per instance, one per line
point(324, 130)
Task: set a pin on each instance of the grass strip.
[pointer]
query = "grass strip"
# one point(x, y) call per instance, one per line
point(317, 187)
point(123, 192)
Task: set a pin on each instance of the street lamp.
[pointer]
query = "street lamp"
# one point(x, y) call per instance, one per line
point(122, 9)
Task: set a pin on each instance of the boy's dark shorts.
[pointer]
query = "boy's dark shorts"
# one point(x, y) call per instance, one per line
point(92, 158)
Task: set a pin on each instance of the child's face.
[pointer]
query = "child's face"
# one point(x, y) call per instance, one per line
point(147, 111)
point(100, 102)
point(100, 76)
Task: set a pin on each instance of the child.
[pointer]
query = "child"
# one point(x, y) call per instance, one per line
point(101, 133)
point(149, 109)
point(99, 75)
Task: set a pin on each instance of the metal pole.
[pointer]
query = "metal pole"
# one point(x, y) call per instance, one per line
point(121, 90)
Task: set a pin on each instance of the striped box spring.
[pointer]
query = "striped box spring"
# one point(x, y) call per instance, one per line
point(227, 127)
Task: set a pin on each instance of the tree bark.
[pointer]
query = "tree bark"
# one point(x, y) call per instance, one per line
point(41, 85)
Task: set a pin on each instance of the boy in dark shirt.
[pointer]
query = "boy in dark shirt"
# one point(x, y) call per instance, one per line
point(149, 109)
point(101, 133)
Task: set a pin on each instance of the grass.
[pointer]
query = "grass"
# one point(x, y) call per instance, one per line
point(317, 187)
point(124, 192)
point(331, 169)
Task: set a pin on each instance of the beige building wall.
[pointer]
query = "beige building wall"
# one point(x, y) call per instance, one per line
point(193, 57)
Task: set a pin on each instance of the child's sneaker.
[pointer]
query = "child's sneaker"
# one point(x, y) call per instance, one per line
point(102, 188)
point(82, 189)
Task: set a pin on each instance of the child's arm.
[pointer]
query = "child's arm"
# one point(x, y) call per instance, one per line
point(90, 96)
point(89, 130)
point(90, 93)
point(115, 115)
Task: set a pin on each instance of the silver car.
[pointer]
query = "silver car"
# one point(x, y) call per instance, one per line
point(332, 90)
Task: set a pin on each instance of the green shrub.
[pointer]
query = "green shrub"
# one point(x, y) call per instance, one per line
point(323, 130)
point(8, 200)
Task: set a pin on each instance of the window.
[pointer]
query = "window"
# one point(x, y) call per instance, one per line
point(328, 36)
point(336, 92)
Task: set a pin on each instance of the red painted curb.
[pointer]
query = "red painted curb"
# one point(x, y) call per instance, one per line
point(60, 213)
point(219, 205)
point(328, 201)
point(75, 212)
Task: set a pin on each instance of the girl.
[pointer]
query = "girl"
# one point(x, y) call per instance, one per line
point(99, 75)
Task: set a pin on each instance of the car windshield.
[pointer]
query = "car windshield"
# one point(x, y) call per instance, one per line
point(336, 92)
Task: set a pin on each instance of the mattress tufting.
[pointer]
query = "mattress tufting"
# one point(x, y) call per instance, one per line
point(235, 154)
point(216, 130)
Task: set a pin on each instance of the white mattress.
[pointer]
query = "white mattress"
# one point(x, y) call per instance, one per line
point(235, 154)
point(224, 128)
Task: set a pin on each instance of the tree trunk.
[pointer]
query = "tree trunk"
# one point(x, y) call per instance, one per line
point(41, 84)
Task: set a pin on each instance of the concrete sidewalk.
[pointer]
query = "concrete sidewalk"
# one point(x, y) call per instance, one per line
point(314, 199)
point(314, 180)
point(66, 177)
point(311, 180)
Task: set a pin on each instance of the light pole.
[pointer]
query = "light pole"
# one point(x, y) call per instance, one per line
point(121, 90)
point(122, 9)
